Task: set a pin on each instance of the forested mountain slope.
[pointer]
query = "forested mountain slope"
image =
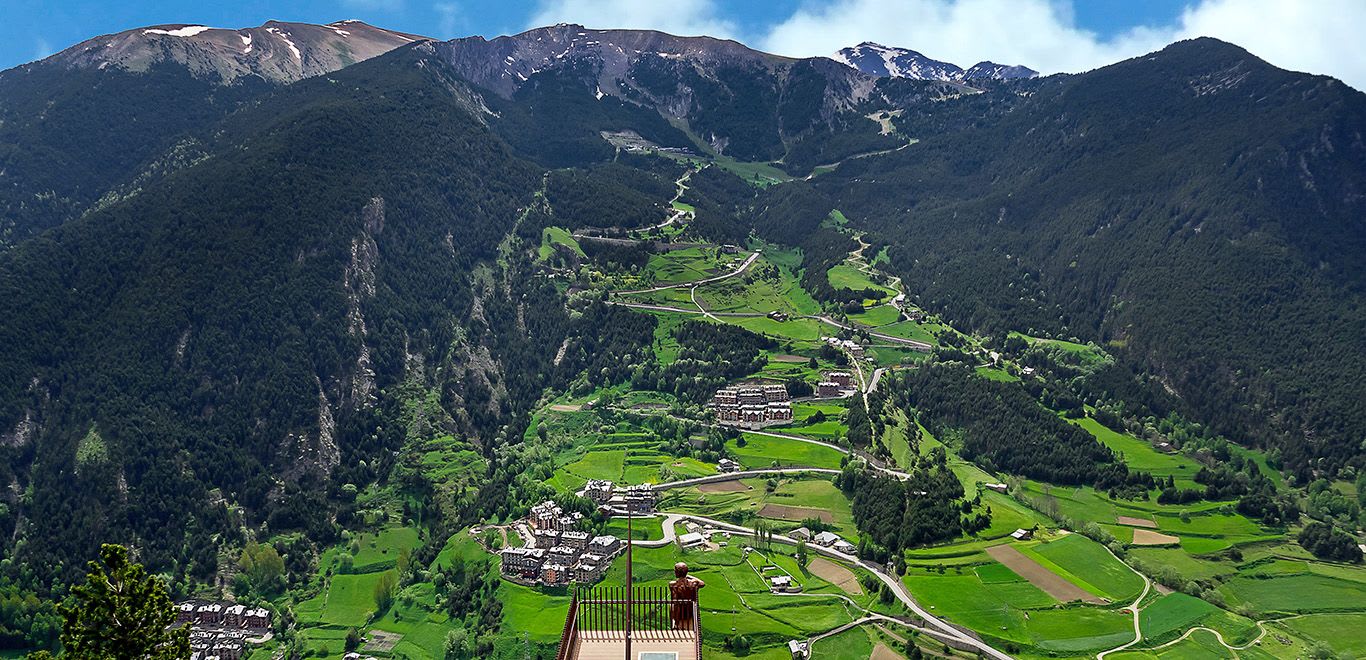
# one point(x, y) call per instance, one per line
point(105, 116)
point(215, 318)
point(231, 327)
point(1197, 208)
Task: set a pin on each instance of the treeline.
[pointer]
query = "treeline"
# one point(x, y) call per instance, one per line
point(27, 622)
point(709, 355)
point(607, 195)
point(1328, 542)
point(617, 256)
point(469, 591)
point(1006, 429)
point(720, 203)
point(893, 515)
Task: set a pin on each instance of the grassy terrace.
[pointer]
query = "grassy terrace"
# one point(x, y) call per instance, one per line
point(551, 237)
point(765, 451)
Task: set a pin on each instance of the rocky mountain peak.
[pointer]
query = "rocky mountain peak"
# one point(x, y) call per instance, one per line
point(887, 61)
point(276, 51)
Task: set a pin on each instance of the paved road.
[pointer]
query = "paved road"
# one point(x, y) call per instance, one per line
point(748, 261)
point(733, 476)
point(877, 378)
point(1138, 629)
point(892, 583)
point(898, 341)
point(917, 345)
point(682, 184)
point(1220, 637)
point(815, 170)
point(670, 519)
point(875, 463)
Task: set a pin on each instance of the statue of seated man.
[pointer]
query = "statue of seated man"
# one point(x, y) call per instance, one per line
point(684, 593)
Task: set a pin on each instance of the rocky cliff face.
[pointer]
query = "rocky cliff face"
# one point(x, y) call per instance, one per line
point(275, 51)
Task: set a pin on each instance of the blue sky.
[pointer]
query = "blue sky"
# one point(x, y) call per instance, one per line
point(1319, 36)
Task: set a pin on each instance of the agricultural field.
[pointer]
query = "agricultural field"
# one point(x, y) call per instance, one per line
point(847, 276)
point(1141, 455)
point(996, 601)
point(1345, 633)
point(761, 451)
point(876, 317)
point(992, 373)
point(1088, 565)
point(1085, 353)
point(379, 551)
point(793, 500)
point(552, 238)
point(686, 265)
point(765, 287)
point(919, 331)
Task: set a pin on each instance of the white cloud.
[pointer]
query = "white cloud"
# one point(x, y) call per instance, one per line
point(1325, 36)
point(1320, 37)
point(681, 17)
point(1036, 33)
point(41, 48)
point(449, 19)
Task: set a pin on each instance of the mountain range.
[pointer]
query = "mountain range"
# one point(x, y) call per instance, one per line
point(240, 269)
point(878, 60)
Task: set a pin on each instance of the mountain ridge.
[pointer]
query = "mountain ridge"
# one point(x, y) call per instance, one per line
point(879, 60)
point(276, 51)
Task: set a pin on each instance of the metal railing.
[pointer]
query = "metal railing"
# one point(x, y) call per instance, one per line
point(626, 610)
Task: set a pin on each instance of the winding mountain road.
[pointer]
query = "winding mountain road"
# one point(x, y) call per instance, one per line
point(721, 477)
point(891, 339)
point(694, 284)
point(892, 583)
point(1138, 629)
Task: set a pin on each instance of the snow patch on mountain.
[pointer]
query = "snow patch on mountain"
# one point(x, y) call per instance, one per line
point(187, 31)
point(885, 61)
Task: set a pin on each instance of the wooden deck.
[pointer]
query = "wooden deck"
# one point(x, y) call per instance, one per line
point(611, 645)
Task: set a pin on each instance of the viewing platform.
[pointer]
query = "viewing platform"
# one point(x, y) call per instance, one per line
point(644, 623)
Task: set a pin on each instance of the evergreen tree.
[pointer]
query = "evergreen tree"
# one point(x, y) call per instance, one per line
point(121, 612)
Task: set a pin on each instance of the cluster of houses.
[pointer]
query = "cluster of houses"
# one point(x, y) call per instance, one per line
point(560, 553)
point(824, 539)
point(221, 630)
point(853, 348)
point(752, 406)
point(636, 500)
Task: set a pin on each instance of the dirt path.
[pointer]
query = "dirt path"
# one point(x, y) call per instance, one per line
point(868, 154)
point(1049, 582)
